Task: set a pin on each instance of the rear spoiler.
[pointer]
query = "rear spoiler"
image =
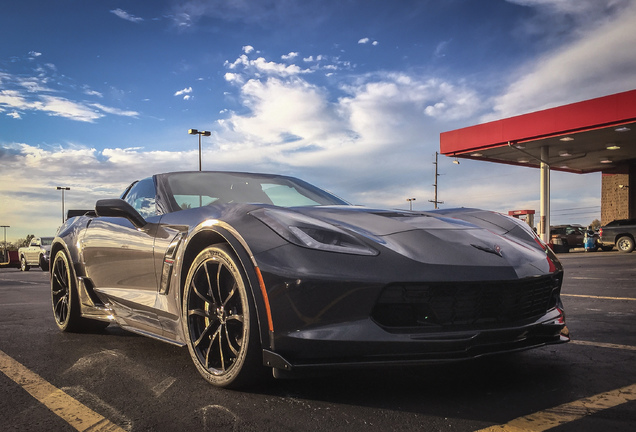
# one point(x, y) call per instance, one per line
point(74, 213)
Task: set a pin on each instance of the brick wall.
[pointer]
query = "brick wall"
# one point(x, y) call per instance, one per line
point(618, 202)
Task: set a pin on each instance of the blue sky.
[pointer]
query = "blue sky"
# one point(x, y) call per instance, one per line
point(350, 95)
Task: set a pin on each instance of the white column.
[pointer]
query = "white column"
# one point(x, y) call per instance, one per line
point(544, 224)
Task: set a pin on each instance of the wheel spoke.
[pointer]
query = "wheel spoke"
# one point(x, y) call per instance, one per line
point(239, 318)
point(200, 294)
point(235, 351)
point(229, 296)
point(57, 275)
point(219, 283)
point(215, 336)
point(60, 309)
point(211, 291)
point(199, 312)
point(205, 334)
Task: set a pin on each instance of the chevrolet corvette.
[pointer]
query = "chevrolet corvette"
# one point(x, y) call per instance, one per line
point(255, 271)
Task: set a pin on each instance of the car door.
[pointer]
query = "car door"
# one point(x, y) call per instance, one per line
point(119, 259)
point(28, 251)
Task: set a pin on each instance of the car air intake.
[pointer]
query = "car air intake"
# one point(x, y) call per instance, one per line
point(450, 305)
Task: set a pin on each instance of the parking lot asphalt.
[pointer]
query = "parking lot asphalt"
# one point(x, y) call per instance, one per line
point(120, 381)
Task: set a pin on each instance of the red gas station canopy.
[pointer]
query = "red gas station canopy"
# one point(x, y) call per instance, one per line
point(592, 135)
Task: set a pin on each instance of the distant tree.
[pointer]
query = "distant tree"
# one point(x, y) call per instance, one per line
point(24, 242)
point(596, 224)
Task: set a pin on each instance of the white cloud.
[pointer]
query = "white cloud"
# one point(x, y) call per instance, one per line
point(260, 65)
point(90, 92)
point(601, 61)
point(115, 111)
point(126, 16)
point(52, 105)
point(186, 91)
point(248, 49)
point(14, 114)
point(365, 40)
point(290, 56)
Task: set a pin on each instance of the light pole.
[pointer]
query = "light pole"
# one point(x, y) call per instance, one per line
point(410, 200)
point(4, 252)
point(63, 188)
point(198, 132)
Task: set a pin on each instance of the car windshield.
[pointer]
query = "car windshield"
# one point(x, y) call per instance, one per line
point(196, 189)
point(47, 241)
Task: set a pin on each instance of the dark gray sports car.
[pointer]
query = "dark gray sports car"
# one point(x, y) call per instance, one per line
point(253, 271)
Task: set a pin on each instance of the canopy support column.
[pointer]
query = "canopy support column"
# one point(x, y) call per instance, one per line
point(544, 224)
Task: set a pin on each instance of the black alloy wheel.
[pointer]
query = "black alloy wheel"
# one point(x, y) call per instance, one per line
point(66, 306)
point(219, 319)
point(62, 295)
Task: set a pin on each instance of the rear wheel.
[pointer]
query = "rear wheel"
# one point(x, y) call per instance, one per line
point(66, 306)
point(625, 244)
point(220, 320)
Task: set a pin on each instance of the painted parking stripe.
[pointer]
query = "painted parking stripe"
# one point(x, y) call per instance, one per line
point(70, 410)
point(603, 345)
point(598, 297)
point(569, 412)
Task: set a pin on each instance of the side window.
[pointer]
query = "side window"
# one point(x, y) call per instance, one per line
point(142, 197)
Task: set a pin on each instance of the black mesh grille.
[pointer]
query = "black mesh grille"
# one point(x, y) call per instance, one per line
point(466, 303)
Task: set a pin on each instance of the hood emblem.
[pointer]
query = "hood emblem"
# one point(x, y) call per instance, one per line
point(496, 249)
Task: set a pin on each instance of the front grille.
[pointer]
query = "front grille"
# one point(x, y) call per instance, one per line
point(456, 304)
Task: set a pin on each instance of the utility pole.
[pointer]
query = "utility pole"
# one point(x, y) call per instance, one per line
point(435, 201)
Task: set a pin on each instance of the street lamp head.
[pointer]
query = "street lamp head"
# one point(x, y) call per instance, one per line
point(63, 188)
point(205, 133)
point(193, 131)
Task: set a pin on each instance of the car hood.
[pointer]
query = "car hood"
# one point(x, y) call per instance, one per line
point(461, 236)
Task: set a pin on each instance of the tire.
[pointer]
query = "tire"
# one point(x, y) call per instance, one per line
point(566, 247)
point(23, 264)
point(65, 300)
point(220, 321)
point(625, 244)
point(43, 264)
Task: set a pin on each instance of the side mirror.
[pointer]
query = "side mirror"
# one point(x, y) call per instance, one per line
point(119, 208)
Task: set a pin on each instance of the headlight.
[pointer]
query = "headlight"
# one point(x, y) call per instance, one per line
point(312, 233)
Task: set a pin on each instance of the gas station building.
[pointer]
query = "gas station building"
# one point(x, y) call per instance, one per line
point(596, 135)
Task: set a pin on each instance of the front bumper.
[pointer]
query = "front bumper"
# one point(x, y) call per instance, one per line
point(333, 311)
point(363, 343)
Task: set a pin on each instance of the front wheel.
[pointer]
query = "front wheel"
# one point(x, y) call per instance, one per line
point(220, 320)
point(625, 244)
point(23, 264)
point(44, 265)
